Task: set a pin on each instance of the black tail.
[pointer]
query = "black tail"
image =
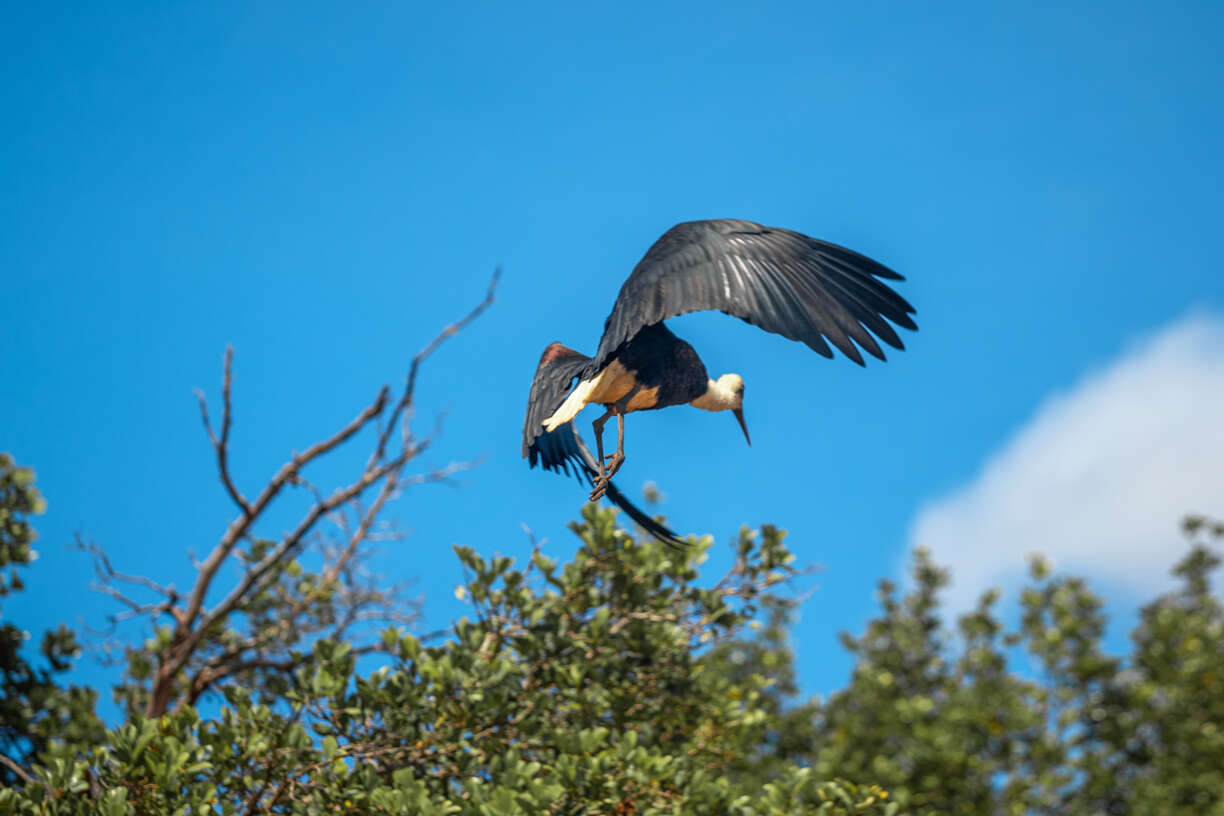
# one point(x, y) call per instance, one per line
point(590, 468)
point(644, 521)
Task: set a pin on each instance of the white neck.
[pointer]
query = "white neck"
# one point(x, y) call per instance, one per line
point(717, 397)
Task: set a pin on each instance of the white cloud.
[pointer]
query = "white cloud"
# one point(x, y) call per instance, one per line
point(1099, 477)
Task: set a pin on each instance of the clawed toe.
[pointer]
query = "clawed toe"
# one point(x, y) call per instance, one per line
point(614, 462)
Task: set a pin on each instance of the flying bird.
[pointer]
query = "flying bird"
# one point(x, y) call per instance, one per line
point(782, 281)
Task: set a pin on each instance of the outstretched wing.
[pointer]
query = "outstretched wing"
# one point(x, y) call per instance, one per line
point(563, 450)
point(784, 282)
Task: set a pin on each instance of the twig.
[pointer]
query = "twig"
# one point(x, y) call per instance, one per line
point(197, 624)
point(239, 526)
point(107, 573)
point(290, 542)
point(17, 769)
point(405, 402)
point(221, 446)
point(363, 527)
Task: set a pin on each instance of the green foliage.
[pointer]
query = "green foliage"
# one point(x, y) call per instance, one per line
point(1175, 691)
point(593, 686)
point(35, 711)
point(19, 499)
point(620, 682)
point(941, 723)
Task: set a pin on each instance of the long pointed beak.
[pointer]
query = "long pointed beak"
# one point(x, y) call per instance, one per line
point(739, 414)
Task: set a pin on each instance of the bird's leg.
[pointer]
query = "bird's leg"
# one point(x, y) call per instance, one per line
point(601, 482)
point(621, 406)
point(615, 460)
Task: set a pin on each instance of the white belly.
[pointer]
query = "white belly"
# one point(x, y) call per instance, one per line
point(606, 387)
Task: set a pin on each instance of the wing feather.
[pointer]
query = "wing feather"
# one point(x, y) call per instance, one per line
point(554, 378)
point(781, 281)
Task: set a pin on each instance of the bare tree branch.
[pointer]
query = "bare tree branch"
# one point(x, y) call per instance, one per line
point(389, 486)
point(287, 545)
point(108, 576)
point(266, 601)
point(104, 570)
point(221, 446)
point(241, 525)
point(17, 769)
point(404, 405)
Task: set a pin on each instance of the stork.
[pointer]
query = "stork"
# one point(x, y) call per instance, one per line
point(782, 281)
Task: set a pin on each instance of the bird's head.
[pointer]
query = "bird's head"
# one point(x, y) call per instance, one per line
point(725, 394)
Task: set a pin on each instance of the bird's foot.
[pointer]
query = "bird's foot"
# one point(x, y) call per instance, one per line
point(613, 464)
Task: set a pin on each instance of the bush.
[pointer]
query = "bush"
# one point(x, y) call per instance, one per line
point(595, 686)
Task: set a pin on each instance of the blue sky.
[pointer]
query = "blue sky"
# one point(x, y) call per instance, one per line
point(325, 188)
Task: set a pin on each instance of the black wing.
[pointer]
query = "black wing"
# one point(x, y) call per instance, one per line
point(777, 279)
point(563, 450)
point(559, 367)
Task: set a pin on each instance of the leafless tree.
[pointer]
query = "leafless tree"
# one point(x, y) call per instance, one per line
point(258, 627)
